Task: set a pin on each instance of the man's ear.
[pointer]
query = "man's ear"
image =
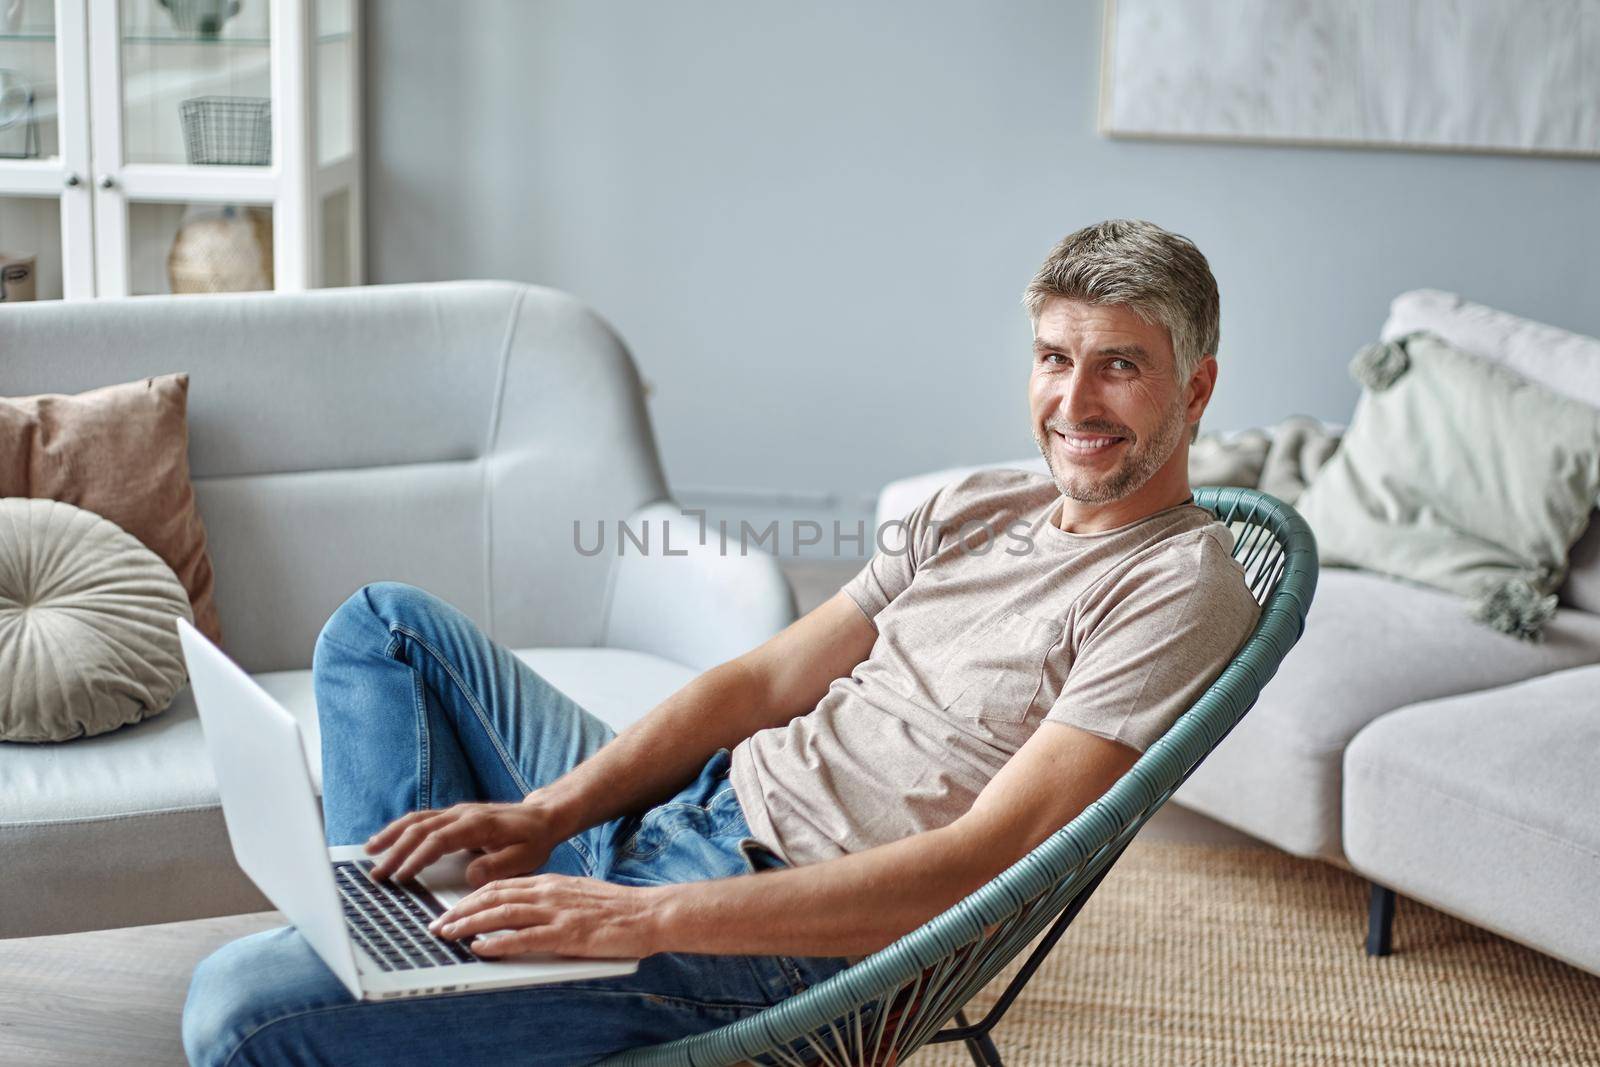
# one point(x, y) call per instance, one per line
point(1201, 385)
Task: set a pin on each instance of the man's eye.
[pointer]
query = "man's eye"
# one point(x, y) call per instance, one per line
point(1054, 357)
point(1123, 364)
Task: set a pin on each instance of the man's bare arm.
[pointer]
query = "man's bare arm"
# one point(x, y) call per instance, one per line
point(852, 905)
point(768, 686)
point(648, 762)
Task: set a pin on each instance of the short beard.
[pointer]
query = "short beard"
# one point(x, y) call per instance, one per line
point(1136, 469)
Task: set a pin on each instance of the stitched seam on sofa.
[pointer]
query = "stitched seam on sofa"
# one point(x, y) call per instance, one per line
point(477, 708)
point(554, 987)
point(491, 443)
point(492, 440)
point(352, 468)
point(606, 601)
point(1489, 813)
point(120, 816)
point(613, 578)
point(1337, 748)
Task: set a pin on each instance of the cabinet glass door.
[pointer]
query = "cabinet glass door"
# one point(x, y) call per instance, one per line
point(199, 248)
point(44, 199)
point(30, 248)
point(28, 100)
point(184, 142)
point(196, 82)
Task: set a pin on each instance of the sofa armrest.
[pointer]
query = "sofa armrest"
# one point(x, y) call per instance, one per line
point(697, 606)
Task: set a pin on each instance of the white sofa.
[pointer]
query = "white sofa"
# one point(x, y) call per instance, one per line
point(447, 435)
point(1433, 756)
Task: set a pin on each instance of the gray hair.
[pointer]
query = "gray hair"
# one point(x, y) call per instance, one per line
point(1160, 275)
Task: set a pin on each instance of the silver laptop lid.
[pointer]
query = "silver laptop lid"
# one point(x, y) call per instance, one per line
point(268, 801)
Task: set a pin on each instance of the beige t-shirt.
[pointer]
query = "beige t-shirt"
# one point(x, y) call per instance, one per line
point(985, 631)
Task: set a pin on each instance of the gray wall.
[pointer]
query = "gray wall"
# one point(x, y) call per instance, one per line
point(813, 222)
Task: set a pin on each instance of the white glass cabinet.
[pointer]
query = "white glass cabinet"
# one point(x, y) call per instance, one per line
point(152, 146)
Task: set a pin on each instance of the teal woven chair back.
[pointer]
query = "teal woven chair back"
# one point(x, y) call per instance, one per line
point(880, 1010)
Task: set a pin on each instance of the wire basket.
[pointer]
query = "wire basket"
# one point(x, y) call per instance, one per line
point(228, 130)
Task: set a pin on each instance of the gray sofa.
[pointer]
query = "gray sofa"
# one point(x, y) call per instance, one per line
point(1437, 758)
point(447, 435)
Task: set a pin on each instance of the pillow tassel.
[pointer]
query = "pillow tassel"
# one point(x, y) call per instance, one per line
point(1516, 608)
point(1378, 366)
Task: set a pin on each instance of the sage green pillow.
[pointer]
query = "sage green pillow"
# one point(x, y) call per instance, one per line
point(1459, 474)
point(88, 624)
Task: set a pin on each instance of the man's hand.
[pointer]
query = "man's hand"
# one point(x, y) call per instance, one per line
point(555, 913)
point(517, 838)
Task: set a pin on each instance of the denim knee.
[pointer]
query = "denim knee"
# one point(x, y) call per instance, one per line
point(248, 984)
point(364, 621)
point(222, 1004)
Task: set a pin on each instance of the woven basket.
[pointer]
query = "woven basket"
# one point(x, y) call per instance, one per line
point(226, 253)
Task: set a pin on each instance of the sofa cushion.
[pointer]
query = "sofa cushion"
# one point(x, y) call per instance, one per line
point(122, 452)
point(88, 640)
point(125, 828)
point(1440, 481)
point(1371, 645)
point(1564, 361)
point(1483, 805)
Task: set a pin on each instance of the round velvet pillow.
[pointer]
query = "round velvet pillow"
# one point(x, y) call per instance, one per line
point(88, 632)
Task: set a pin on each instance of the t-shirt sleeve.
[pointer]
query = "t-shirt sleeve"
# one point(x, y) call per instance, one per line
point(906, 543)
point(1154, 641)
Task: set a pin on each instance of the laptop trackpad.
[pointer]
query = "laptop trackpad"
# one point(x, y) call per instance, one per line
point(446, 878)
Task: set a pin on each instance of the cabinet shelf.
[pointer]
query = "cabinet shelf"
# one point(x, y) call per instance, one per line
point(165, 38)
point(219, 42)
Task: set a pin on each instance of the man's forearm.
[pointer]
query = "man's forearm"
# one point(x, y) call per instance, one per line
point(652, 759)
point(852, 905)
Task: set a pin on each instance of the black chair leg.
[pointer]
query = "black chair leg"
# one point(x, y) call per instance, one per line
point(1380, 921)
point(981, 1046)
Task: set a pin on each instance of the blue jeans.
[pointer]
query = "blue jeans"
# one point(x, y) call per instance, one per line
point(420, 710)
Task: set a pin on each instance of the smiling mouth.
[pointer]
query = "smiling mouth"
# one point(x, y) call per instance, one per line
point(1088, 444)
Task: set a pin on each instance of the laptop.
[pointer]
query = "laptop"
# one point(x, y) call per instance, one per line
point(372, 935)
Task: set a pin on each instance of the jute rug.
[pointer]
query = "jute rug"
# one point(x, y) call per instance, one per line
point(1190, 954)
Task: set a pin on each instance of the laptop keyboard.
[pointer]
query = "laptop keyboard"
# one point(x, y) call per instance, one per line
point(391, 923)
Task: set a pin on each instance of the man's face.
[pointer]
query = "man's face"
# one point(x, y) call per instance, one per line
point(1108, 409)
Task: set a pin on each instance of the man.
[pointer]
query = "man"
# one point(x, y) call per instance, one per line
point(819, 796)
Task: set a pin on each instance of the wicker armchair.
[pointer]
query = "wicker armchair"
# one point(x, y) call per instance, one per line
point(883, 1008)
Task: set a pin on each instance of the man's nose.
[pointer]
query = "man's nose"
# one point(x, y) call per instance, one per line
point(1081, 398)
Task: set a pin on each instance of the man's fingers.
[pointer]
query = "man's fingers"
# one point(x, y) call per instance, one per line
point(524, 890)
point(503, 863)
point(410, 838)
point(509, 915)
point(382, 838)
point(466, 831)
point(528, 939)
